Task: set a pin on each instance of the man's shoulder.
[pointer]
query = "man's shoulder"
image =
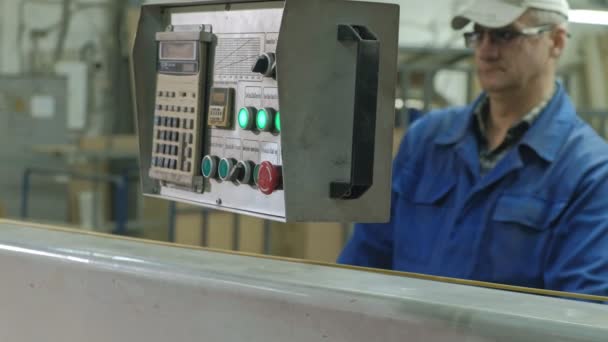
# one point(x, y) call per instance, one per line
point(585, 146)
point(438, 123)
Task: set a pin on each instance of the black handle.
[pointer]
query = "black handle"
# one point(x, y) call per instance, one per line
point(364, 120)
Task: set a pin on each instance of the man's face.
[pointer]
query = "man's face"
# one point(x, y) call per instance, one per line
point(504, 65)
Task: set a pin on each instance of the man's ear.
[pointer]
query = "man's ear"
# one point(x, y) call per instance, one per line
point(558, 38)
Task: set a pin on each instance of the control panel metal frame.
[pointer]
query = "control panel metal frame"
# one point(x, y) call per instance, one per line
point(316, 78)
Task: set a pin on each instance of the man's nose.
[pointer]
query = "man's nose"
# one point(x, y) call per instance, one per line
point(486, 47)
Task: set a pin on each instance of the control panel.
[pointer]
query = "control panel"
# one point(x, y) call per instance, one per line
point(258, 112)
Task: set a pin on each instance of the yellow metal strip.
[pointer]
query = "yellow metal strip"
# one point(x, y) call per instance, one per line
point(310, 262)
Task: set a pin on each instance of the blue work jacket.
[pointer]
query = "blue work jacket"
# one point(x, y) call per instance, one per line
point(538, 219)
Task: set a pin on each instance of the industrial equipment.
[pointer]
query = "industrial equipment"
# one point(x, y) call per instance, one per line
point(62, 285)
point(277, 109)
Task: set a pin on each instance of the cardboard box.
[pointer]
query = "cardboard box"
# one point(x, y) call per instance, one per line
point(219, 229)
point(127, 144)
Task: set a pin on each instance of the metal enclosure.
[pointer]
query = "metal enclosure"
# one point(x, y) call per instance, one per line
point(33, 112)
point(325, 68)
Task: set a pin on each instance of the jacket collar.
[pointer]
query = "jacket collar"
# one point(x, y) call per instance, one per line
point(545, 136)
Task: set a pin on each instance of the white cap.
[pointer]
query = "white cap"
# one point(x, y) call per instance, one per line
point(500, 13)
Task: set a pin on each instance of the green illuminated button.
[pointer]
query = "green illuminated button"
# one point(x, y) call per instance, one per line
point(264, 119)
point(209, 166)
point(225, 169)
point(277, 122)
point(245, 117)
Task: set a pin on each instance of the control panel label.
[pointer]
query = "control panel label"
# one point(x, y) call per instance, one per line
point(251, 150)
point(217, 146)
point(270, 98)
point(270, 152)
point(253, 96)
point(270, 42)
point(178, 67)
point(233, 149)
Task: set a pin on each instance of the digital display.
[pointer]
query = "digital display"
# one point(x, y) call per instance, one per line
point(219, 97)
point(178, 50)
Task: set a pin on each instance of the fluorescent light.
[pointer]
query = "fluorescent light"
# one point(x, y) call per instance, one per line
point(588, 17)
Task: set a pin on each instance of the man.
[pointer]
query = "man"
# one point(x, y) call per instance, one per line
point(512, 189)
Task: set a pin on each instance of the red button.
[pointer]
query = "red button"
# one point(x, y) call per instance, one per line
point(269, 177)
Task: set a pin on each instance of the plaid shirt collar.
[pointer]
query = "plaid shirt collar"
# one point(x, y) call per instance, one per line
point(482, 113)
